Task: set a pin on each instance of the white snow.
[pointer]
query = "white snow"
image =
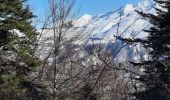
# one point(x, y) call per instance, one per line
point(17, 33)
point(128, 8)
point(83, 21)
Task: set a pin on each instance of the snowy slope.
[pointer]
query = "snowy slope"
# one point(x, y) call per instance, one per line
point(105, 26)
point(102, 28)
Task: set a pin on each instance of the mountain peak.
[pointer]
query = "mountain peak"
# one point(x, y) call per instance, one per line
point(83, 20)
point(128, 8)
point(146, 4)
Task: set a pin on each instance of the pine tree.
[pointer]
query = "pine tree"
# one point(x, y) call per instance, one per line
point(156, 78)
point(17, 59)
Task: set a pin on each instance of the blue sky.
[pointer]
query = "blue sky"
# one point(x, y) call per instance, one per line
point(91, 7)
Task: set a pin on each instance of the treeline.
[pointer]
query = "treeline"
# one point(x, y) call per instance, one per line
point(31, 69)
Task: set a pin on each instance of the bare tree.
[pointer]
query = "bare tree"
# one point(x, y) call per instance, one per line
point(61, 61)
point(69, 71)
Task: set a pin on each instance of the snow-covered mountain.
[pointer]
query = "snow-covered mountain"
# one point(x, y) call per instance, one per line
point(103, 28)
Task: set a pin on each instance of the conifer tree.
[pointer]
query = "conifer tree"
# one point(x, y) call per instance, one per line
point(156, 78)
point(17, 59)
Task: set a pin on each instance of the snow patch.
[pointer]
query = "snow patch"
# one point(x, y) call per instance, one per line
point(128, 8)
point(83, 21)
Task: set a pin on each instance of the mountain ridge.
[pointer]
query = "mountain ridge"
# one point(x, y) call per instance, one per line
point(110, 20)
point(103, 28)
